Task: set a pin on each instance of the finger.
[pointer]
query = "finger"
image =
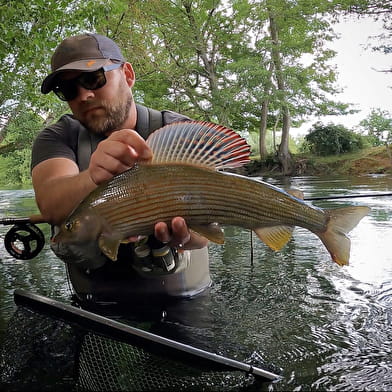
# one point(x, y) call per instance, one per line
point(180, 232)
point(162, 233)
point(133, 139)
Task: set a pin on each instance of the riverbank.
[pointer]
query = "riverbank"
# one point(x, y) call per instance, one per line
point(373, 160)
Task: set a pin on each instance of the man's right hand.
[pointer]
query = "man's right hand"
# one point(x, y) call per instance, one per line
point(119, 152)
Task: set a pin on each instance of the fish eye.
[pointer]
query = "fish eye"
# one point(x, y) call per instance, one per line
point(68, 226)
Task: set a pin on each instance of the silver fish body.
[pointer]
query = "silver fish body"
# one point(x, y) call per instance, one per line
point(183, 180)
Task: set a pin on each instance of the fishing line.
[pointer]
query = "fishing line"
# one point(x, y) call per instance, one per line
point(348, 196)
point(251, 248)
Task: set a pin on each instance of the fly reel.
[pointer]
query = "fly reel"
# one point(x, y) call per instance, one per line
point(24, 241)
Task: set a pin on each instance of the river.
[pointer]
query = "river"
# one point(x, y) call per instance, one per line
point(324, 326)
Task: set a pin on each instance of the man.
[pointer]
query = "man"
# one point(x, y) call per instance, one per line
point(90, 73)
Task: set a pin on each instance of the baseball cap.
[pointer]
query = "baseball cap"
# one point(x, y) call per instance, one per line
point(85, 52)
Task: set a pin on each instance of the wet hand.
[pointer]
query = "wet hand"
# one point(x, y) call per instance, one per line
point(119, 152)
point(179, 235)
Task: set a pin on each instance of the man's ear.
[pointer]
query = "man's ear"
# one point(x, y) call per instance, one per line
point(129, 74)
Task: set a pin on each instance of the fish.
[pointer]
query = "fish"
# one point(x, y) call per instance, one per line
point(188, 177)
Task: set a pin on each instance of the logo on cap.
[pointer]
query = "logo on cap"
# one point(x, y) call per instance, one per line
point(90, 63)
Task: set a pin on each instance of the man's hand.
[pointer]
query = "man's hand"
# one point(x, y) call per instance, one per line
point(179, 235)
point(119, 152)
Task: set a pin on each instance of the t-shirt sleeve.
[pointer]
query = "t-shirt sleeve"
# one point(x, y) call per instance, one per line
point(58, 140)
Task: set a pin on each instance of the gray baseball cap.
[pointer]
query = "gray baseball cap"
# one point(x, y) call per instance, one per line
point(85, 52)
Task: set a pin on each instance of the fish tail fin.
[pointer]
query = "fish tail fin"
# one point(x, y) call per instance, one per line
point(341, 222)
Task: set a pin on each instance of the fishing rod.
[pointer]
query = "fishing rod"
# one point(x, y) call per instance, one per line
point(347, 196)
point(25, 240)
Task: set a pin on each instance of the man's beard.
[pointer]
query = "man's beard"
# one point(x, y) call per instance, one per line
point(115, 115)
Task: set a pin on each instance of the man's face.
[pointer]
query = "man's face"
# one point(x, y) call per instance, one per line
point(105, 109)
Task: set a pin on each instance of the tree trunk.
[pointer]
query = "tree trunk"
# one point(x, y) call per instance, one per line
point(283, 152)
point(284, 155)
point(263, 129)
point(264, 115)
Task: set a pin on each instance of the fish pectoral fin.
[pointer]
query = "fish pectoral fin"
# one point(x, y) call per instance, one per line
point(109, 246)
point(276, 237)
point(212, 232)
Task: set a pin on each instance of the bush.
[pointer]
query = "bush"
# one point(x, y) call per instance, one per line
point(332, 140)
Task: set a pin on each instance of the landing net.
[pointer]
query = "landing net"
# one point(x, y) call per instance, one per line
point(53, 346)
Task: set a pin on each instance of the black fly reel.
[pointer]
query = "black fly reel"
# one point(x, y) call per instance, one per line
point(24, 241)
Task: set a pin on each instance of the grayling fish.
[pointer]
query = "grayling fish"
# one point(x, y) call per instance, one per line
point(183, 179)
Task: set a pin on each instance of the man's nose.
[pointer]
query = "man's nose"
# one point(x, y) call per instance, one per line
point(85, 94)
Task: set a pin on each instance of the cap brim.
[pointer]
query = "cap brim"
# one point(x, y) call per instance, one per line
point(88, 65)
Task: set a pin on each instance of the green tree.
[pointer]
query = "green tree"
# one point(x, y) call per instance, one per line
point(379, 125)
point(15, 147)
point(239, 62)
point(332, 139)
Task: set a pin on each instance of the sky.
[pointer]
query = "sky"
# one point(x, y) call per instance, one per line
point(357, 73)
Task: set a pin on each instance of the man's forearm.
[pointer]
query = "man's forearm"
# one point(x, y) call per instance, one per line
point(58, 197)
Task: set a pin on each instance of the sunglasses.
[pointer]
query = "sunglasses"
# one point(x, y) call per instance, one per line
point(67, 90)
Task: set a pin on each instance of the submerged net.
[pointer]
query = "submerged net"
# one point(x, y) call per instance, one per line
point(42, 352)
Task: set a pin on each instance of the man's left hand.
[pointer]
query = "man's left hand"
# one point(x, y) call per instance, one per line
point(179, 235)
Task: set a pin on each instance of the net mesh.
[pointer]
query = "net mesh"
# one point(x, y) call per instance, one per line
point(43, 353)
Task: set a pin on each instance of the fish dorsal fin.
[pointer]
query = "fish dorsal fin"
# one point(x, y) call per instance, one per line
point(199, 143)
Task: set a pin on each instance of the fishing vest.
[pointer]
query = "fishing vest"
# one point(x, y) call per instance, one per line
point(114, 281)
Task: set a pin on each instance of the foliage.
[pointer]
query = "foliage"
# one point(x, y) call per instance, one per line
point(16, 145)
point(379, 124)
point(332, 139)
point(211, 59)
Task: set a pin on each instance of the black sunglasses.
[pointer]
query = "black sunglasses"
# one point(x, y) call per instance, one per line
point(67, 90)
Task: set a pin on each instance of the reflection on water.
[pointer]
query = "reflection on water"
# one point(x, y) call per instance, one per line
point(325, 326)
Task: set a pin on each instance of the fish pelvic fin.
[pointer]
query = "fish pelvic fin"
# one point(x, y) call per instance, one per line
point(109, 246)
point(341, 222)
point(276, 237)
point(199, 143)
point(212, 232)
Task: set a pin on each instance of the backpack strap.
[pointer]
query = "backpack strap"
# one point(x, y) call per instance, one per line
point(148, 120)
point(87, 143)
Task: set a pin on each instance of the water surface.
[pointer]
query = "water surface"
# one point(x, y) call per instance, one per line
point(325, 326)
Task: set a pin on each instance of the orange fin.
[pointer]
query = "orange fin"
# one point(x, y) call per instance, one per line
point(276, 237)
point(199, 143)
point(212, 232)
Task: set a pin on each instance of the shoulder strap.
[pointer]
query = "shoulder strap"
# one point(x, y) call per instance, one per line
point(148, 120)
point(87, 143)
